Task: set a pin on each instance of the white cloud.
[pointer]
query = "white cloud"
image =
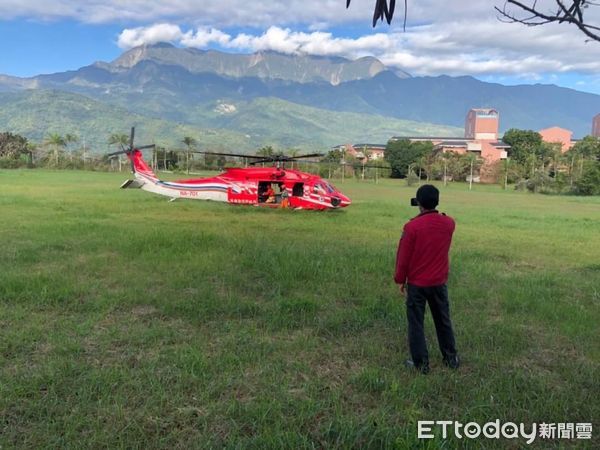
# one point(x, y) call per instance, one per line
point(161, 32)
point(458, 37)
point(204, 37)
point(221, 13)
point(459, 48)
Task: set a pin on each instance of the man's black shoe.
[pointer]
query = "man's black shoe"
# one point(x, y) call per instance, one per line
point(423, 368)
point(453, 362)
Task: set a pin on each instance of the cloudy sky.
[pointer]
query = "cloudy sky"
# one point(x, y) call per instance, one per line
point(462, 37)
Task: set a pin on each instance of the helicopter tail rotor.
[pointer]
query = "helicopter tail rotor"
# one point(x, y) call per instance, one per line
point(130, 152)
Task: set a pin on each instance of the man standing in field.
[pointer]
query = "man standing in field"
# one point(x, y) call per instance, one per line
point(422, 272)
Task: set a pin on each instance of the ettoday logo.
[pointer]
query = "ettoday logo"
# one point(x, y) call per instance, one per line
point(429, 429)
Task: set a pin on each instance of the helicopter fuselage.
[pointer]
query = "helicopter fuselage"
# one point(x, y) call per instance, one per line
point(260, 186)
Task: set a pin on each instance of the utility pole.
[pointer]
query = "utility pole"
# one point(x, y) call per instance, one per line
point(506, 174)
point(471, 177)
point(445, 172)
point(343, 162)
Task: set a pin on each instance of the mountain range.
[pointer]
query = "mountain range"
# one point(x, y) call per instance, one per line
point(268, 98)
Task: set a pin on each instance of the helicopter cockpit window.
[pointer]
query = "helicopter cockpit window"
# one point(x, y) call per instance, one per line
point(323, 188)
point(329, 188)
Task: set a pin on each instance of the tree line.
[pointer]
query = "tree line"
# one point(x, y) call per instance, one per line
point(532, 164)
point(68, 151)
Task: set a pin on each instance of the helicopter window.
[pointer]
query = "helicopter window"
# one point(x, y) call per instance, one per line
point(298, 190)
point(329, 188)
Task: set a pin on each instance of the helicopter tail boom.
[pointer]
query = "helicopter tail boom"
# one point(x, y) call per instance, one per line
point(139, 165)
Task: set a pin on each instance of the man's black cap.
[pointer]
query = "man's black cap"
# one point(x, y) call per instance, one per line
point(428, 196)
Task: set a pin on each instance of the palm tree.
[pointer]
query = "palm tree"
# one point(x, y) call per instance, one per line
point(56, 141)
point(265, 151)
point(120, 139)
point(293, 152)
point(70, 139)
point(189, 143)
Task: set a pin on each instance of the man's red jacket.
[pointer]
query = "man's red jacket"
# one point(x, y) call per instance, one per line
point(422, 258)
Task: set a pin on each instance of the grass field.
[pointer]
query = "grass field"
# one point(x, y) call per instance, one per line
point(130, 322)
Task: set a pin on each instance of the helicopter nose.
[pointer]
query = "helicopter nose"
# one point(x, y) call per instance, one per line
point(344, 201)
point(335, 201)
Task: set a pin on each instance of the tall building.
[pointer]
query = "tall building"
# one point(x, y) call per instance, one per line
point(481, 139)
point(596, 125)
point(482, 124)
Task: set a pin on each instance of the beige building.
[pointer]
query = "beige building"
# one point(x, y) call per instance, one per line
point(558, 135)
point(481, 137)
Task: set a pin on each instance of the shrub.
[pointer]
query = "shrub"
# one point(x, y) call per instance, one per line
point(589, 182)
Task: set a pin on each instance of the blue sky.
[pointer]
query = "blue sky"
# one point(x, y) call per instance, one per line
point(30, 48)
point(41, 37)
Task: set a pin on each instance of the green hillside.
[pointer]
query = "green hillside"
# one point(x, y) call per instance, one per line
point(37, 113)
point(275, 119)
point(243, 126)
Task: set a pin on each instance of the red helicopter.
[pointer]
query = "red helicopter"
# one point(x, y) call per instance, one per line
point(259, 186)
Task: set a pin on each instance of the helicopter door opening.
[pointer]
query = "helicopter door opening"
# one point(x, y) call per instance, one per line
point(264, 196)
point(298, 190)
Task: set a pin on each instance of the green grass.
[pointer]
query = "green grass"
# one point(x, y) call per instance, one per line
point(131, 322)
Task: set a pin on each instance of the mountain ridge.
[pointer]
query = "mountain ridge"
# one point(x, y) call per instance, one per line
point(302, 68)
point(172, 92)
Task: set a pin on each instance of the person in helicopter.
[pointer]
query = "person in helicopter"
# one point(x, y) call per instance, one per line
point(270, 194)
point(285, 196)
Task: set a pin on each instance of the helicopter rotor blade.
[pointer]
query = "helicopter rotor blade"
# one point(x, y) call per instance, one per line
point(236, 155)
point(310, 155)
point(260, 161)
point(285, 158)
point(262, 158)
point(142, 147)
point(304, 161)
point(120, 152)
point(131, 136)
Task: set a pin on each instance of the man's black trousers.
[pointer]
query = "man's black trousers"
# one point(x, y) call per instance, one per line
point(437, 297)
